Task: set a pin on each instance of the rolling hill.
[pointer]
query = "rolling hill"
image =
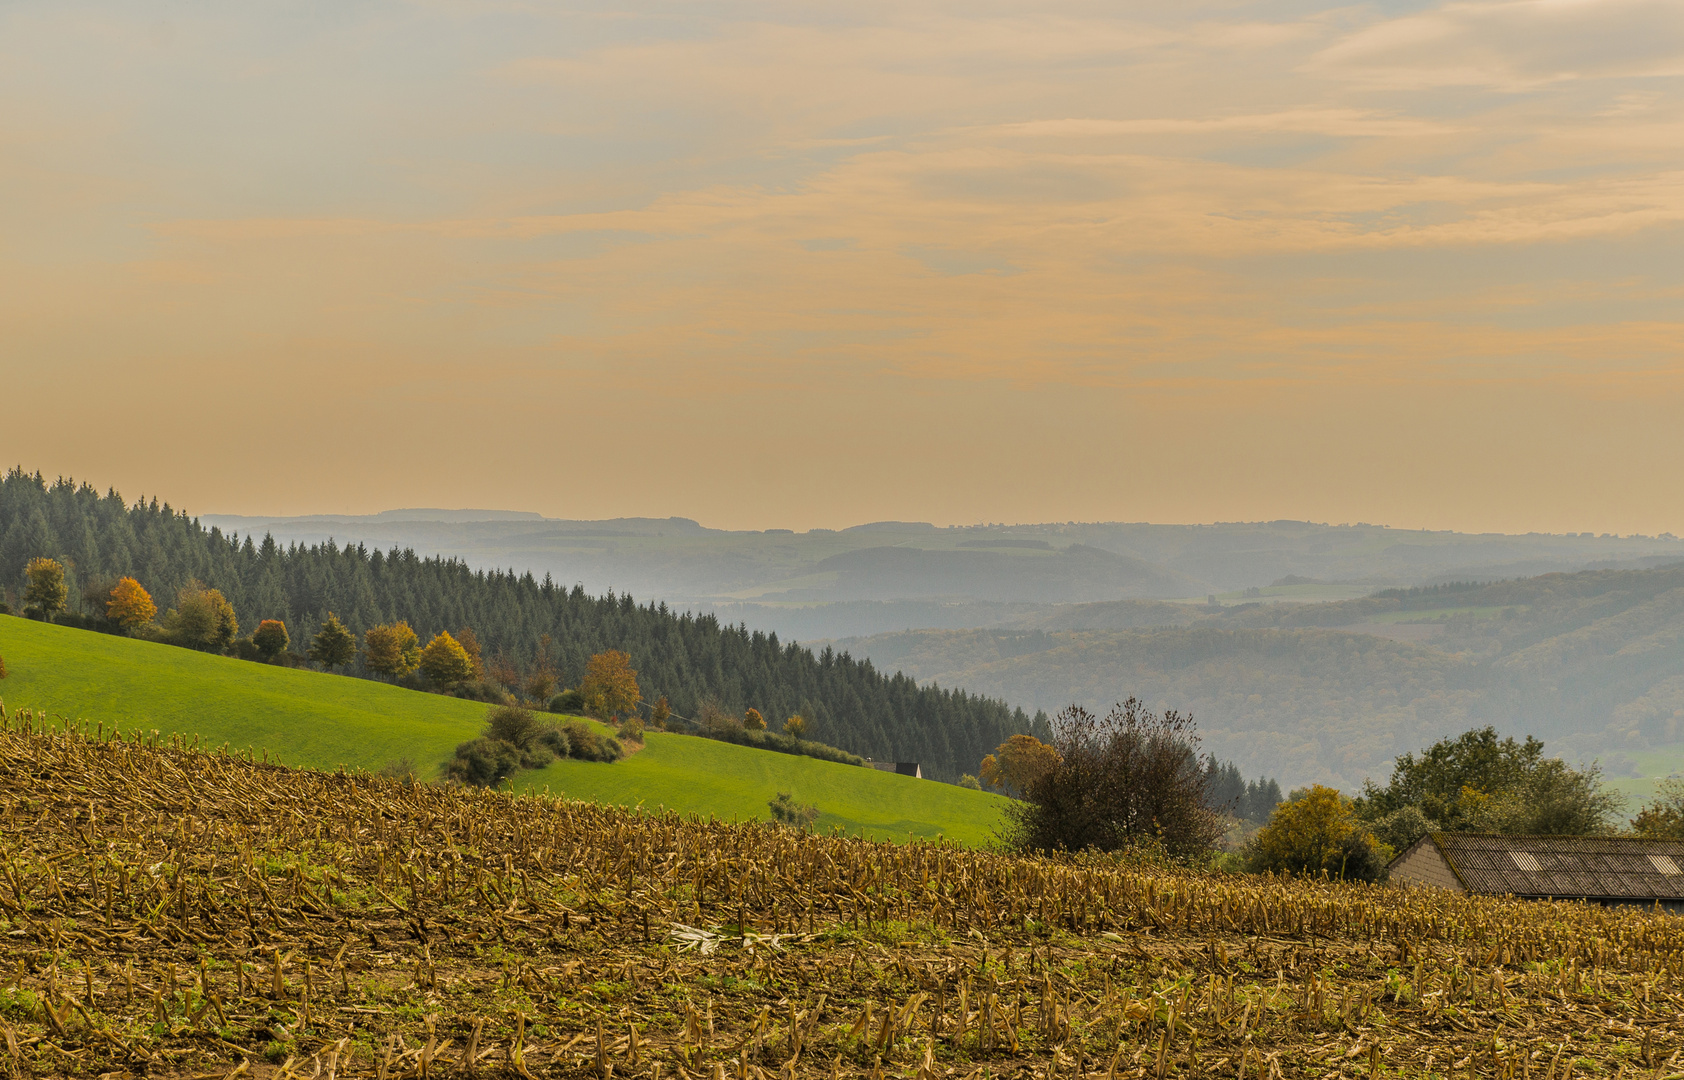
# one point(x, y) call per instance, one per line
point(315, 720)
point(1331, 692)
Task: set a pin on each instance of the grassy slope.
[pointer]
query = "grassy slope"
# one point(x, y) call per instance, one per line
point(688, 774)
point(323, 721)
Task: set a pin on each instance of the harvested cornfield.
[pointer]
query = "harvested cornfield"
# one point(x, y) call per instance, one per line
point(166, 911)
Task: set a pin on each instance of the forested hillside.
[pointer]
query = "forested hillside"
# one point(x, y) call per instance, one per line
point(1592, 661)
point(688, 659)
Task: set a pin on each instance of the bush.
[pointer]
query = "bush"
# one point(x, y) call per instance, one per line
point(513, 724)
point(587, 744)
point(789, 812)
point(969, 781)
point(631, 730)
point(568, 701)
point(2, 667)
point(781, 743)
point(245, 649)
point(399, 769)
point(484, 762)
point(1130, 777)
point(1316, 831)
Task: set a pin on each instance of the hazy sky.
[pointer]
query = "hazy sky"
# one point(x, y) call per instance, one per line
point(796, 264)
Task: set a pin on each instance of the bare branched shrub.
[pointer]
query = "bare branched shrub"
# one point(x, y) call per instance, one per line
point(1128, 778)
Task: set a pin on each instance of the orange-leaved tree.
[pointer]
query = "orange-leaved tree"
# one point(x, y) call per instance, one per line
point(1017, 763)
point(610, 685)
point(446, 662)
point(130, 604)
point(753, 721)
point(391, 649)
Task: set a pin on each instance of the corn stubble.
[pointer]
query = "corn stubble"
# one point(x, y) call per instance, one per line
point(170, 912)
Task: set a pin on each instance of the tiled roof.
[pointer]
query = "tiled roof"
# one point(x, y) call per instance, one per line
point(1592, 867)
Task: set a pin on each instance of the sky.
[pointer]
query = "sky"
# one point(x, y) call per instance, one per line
point(802, 264)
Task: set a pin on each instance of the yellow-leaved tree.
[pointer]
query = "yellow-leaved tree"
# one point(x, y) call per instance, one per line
point(446, 662)
point(609, 687)
point(45, 593)
point(130, 605)
point(1315, 832)
point(392, 650)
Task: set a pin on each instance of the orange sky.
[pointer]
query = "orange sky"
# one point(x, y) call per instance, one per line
point(809, 265)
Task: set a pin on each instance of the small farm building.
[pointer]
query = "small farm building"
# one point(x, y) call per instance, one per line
point(1602, 869)
point(904, 768)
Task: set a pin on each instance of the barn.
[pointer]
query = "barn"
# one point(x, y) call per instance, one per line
point(1600, 869)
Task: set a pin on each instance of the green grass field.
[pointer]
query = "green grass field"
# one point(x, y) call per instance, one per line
point(681, 772)
point(321, 721)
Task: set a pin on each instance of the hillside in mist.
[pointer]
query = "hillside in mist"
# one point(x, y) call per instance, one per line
point(898, 575)
point(1591, 661)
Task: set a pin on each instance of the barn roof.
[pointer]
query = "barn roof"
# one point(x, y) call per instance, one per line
point(1589, 867)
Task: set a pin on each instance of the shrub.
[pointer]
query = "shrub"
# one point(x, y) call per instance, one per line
point(568, 701)
point(513, 724)
point(245, 649)
point(399, 769)
point(484, 762)
point(631, 730)
point(1316, 831)
point(789, 812)
point(969, 781)
point(556, 741)
point(587, 744)
point(3, 671)
point(1121, 780)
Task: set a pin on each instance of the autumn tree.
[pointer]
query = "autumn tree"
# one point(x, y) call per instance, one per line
point(1017, 763)
point(796, 726)
point(469, 641)
point(1132, 777)
point(333, 646)
point(271, 638)
point(753, 721)
point(1317, 830)
point(541, 681)
point(45, 593)
point(610, 685)
point(201, 619)
point(130, 605)
point(445, 662)
point(660, 713)
point(392, 649)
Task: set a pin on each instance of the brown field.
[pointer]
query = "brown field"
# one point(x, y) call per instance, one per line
point(167, 912)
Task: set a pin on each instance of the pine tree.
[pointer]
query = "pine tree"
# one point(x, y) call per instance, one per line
point(333, 646)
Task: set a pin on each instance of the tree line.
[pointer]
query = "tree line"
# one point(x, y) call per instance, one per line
point(693, 661)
